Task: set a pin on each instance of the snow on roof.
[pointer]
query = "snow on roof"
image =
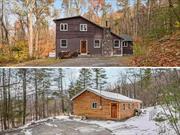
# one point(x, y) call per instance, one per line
point(108, 95)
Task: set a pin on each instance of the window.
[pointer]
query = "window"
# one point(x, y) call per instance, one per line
point(63, 43)
point(116, 44)
point(125, 44)
point(83, 27)
point(129, 106)
point(124, 107)
point(133, 106)
point(63, 27)
point(97, 43)
point(94, 105)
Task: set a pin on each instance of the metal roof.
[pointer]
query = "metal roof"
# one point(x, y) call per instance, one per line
point(109, 95)
point(126, 37)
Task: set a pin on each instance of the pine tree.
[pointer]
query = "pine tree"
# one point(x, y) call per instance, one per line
point(99, 80)
point(85, 78)
point(59, 81)
point(71, 90)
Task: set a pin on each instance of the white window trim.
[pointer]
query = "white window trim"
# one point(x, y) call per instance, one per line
point(118, 45)
point(125, 44)
point(99, 43)
point(63, 24)
point(96, 105)
point(85, 25)
point(61, 43)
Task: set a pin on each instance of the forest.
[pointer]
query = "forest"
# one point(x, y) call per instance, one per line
point(153, 24)
point(28, 94)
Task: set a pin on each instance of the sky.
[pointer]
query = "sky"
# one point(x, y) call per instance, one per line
point(113, 74)
point(113, 2)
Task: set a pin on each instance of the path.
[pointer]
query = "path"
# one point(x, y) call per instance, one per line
point(94, 62)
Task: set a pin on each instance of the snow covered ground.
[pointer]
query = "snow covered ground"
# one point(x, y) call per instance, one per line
point(138, 125)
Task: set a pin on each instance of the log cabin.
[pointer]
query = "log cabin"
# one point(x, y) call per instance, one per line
point(81, 35)
point(106, 105)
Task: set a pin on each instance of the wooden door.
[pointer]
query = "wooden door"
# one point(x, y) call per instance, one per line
point(83, 46)
point(114, 110)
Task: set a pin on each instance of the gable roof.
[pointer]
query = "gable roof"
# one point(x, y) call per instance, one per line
point(109, 95)
point(73, 17)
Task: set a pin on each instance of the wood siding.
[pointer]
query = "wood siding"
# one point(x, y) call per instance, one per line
point(74, 36)
point(82, 106)
point(129, 49)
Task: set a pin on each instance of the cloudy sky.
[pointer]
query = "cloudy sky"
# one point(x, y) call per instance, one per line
point(112, 74)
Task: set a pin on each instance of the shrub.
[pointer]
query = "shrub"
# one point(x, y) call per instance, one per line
point(20, 51)
point(138, 49)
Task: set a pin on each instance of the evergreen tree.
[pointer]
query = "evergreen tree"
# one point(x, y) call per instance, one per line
point(85, 79)
point(59, 81)
point(99, 80)
point(147, 75)
point(71, 90)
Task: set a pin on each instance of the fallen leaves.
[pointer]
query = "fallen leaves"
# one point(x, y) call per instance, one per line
point(162, 53)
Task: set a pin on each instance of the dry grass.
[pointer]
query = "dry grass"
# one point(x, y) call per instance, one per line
point(37, 63)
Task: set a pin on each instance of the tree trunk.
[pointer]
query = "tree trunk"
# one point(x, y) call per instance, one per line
point(4, 101)
point(9, 98)
point(30, 27)
point(170, 16)
point(24, 96)
point(30, 41)
point(36, 95)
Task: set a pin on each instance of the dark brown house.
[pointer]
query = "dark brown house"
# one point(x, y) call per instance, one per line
point(104, 105)
point(87, 38)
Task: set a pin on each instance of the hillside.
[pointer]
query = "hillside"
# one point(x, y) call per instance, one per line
point(164, 52)
point(147, 123)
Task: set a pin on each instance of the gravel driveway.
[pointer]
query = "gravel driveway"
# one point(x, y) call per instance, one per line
point(61, 127)
point(93, 62)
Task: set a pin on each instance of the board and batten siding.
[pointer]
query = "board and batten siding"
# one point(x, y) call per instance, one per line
point(129, 49)
point(82, 106)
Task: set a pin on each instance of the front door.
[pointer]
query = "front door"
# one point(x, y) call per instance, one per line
point(83, 46)
point(113, 110)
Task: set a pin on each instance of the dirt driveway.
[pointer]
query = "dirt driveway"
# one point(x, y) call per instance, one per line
point(94, 62)
point(85, 61)
point(61, 127)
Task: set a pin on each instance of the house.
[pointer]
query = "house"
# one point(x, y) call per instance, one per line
point(87, 38)
point(104, 105)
